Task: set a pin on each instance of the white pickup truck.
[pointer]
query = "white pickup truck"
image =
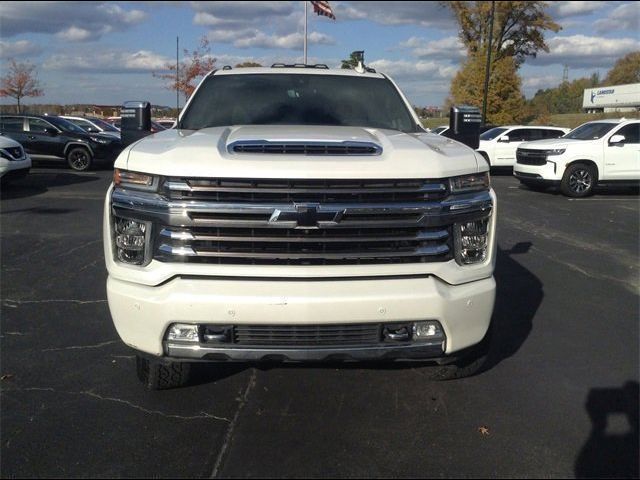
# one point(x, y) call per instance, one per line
point(603, 152)
point(300, 214)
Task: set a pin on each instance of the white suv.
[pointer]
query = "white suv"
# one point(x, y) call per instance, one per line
point(595, 153)
point(14, 162)
point(498, 146)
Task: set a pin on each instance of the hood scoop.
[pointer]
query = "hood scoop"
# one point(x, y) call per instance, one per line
point(305, 148)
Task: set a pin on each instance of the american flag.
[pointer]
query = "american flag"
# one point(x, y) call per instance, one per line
point(323, 8)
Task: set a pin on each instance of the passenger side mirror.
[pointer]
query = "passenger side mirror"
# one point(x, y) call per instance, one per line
point(504, 138)
point(52, 132)
point(616, 139)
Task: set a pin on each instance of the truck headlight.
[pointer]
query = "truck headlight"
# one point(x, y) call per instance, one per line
point(131, 240)
point(556, 151)
point(471, 241)
point(134, 180)
point(470, 183)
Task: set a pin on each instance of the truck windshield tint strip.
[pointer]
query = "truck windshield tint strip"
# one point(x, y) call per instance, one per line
point(290, 99)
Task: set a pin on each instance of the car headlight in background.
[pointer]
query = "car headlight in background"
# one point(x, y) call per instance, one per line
point(471, 241)
point(134, 180)
point(101, 140)
point(470, 183)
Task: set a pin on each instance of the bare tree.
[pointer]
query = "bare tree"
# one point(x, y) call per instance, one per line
point(20, 82)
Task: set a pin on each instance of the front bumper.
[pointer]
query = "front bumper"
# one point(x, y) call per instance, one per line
point(15, 168)
point(549, 173)
point(142, 314)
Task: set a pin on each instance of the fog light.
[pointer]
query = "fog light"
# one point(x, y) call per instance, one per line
point(426, 330)
point(183, 332)
point(130, 238)
point(471, 241)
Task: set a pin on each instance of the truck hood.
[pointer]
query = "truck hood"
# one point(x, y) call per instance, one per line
point(205, 153)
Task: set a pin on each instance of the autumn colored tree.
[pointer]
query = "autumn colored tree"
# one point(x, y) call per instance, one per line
point(197, 64)
point(518, 27)
point(505, 102)
point(247, 65)
point(626, 70)
point(20, 81)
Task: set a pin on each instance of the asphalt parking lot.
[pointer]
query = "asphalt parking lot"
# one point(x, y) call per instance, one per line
point(559, 397)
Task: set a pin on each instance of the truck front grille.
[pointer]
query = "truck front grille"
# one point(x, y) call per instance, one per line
point(526, 156)
point(303, 222)
point(307, 335)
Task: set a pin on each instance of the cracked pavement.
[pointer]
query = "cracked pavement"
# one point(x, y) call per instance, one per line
point(567, 319)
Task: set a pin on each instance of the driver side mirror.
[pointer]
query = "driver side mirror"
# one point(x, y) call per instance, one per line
point(504, 138)
point(52, 132)
point(616, 139)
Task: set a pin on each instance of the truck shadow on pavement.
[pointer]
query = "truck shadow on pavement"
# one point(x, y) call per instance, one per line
point(611, 450)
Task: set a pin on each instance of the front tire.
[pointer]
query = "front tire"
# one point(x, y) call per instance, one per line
point(158, 375)
point(469, 365)
point(79, 159)
point(579, 180)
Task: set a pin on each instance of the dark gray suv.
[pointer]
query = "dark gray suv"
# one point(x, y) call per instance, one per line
point(47, 137)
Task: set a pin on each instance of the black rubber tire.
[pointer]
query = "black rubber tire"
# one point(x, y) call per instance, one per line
point(157, 375)
point(471, 364)
point(579, 180)
point(79, 159)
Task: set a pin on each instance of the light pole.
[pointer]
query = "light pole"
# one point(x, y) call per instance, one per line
point(486, 70)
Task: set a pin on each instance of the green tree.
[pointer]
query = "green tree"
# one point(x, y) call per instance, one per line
point(247, 64)
point(518, 27)
point(626, 70)
point(505, 102)
point(20, 81)
point(351, 63)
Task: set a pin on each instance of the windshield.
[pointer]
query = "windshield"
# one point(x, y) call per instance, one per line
point(493, 133)
point(295, 99)
point(65, 125)
point(107, 127)
point(590, 131)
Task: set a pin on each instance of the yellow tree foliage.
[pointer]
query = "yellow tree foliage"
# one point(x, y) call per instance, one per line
point(626, 70)
point(505, 102)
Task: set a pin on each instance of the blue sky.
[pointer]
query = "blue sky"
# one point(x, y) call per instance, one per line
point(105, 52)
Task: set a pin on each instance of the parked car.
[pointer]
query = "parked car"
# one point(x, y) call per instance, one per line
point(14, 161)
point(93, 125)
point(212, 239)
point(603, 152)
point(166, 123)
point(116, 122)
point(440, 130)
point(46, 137)
point(498, 146)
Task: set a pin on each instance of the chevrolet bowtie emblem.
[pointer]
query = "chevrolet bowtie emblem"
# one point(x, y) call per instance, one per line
point(306, 216)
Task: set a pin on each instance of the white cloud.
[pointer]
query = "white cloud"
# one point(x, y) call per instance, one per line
point(75, 34)
point(21, 48)
point(72, 21)
point(574, 8)
point(421, 70)
point(445, 48)
point(580, 51)
point(623, 17)
point(142, 61)
point(536, 82)
point(427, 14)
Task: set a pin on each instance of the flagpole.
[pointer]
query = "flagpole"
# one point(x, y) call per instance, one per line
point(305, 32)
